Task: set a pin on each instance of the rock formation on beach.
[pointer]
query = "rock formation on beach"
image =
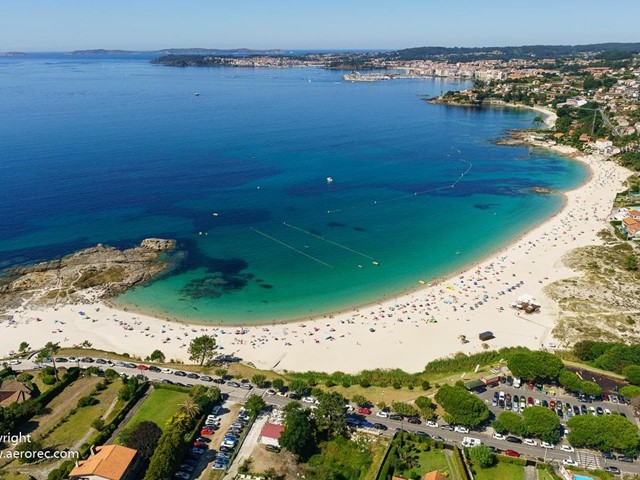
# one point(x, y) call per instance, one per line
point(86, 275)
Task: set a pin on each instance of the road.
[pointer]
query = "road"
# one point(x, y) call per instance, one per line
point(587, 458)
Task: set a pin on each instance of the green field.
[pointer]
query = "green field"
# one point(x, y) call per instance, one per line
point(78, 426)
point(433, 459)
point(158, 407)
point(502, 471)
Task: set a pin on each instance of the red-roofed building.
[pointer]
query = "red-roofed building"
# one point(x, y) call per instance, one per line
point(270, 434)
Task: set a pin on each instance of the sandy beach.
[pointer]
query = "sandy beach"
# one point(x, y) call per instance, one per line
point(405, 332)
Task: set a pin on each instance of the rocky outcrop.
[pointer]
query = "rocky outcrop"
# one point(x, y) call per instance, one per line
point(86, 275)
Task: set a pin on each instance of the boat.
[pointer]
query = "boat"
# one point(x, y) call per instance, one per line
point(422, 282)
point(196, 94)
point(329, 180)
point(375, 263)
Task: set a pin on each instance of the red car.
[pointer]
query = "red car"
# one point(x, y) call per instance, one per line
point(142, 367)
point(207, 431)
point(201, 445)
point(364, 411)
point(530, 402)
point(552, 404)
point(511, 453)
point(530, 384)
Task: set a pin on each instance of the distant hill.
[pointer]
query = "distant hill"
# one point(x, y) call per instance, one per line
point(525, 51)
point(181, 51)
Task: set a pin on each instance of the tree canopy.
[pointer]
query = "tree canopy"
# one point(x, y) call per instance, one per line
point(462, 407)
point(330, 415)
point(202, 349)
point(535, 365)
point(143, 437)
point(542, 423)
point(605, 433)
point(632, 372)
point(298, 434)
point(482, 456)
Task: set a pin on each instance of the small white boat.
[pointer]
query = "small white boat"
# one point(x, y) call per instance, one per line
point(329, 180)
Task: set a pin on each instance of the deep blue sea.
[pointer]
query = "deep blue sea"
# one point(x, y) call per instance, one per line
point(114, 150)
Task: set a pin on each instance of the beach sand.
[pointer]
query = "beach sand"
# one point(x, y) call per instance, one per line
point(405, 332)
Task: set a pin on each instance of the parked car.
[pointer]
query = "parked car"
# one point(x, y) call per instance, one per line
point(530, 441)
point(461, 429)
point(625, 459)
point(183, 475)
point(608, 456)
point(218, 466)
point(431, 423)
point(382, 414)
point(186, 468)
point(414, 420)
point(207, 431)
point(614, 470)
point(499, 436)
point(272, 448)
point(180, 373)
point(395, 416)
point(380, 426)
point(567, 448)
point(547, 445)
point(511, 453)
point(512, 439)
point(364, 411)
point(420, 433)
point(197, 451)
point(193, 376)
point(233, 384)
point(569, 463)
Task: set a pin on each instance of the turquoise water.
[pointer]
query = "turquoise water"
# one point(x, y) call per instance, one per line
point(118, 150)
point(581, 477)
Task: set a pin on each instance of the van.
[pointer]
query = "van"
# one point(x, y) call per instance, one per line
point(517, 383)
point(470, 442)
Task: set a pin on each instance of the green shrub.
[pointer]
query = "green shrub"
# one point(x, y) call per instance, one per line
point(87, 401)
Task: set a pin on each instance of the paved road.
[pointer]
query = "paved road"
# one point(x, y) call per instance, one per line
point(239, 395)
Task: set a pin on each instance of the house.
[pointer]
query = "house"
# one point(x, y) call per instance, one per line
point(584, 138)
point(109, 462)
point(270, 434)
point(435, 475)
point(633, 231)
point(13, 392)
point(603, 144)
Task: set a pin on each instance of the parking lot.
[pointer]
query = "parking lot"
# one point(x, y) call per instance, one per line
point(534, 396)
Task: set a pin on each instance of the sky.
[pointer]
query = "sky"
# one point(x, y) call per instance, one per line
point(63, 25)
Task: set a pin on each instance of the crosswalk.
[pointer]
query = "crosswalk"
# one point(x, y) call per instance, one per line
point(588, 460)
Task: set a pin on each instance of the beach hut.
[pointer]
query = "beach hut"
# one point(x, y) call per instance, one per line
point(484, 336)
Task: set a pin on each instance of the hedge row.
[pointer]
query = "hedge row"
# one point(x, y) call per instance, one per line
point(460, 463)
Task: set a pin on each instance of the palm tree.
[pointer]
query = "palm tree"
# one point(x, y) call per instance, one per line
point(190, 407)
point(50, 350)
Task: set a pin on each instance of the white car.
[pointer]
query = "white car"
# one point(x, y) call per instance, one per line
point(567, 448)
point(547, 445)
point(183, 475)
point(499, 436)
point(14, 362)
point(567, 462)
point(382, 414)
point(607, 411)
point(166, 370)
point(536, 402)
point(460, 429)
point(530, 441)
point(431, 423)
point(308, 400)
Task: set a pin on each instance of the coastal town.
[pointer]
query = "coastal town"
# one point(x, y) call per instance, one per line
point(471, 377)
